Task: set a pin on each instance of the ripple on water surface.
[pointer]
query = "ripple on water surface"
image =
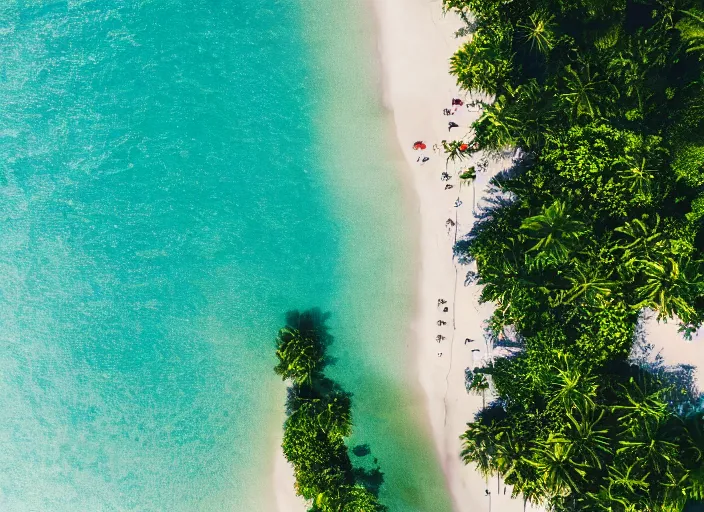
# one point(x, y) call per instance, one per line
point(155, 225)
point(176, 175)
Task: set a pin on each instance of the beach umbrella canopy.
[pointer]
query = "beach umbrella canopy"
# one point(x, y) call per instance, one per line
point(419, 145)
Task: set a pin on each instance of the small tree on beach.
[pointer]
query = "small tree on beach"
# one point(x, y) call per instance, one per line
point(468, 176)
point(479, 385)
point(456, 150)
point(319, 419)
point(300, 356)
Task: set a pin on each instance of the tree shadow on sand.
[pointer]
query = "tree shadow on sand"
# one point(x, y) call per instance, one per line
point(491, 204)
point(686, 396)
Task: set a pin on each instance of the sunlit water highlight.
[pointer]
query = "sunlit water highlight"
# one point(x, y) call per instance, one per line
point(170, 186)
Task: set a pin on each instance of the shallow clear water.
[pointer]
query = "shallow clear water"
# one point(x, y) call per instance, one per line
point(169, 188)
point(377, 260)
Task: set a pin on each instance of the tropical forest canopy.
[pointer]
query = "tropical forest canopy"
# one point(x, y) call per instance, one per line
point(602, 218)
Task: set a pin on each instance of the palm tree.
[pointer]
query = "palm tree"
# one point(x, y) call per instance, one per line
point(359, 499)
point(691, 29)
point(640, 179)
point(587, 284)
point(649, 444)
point(536, 113)
point(554, 461)
point(591, 442)
point(300, 356)
point(630, 68)
point(556, 232)
point(470, 176)
point(642, 399)
point(458, 6)
point(695, 484)
point(675, 487)
point(479, 385)
point(539, 31)
point(644, 243)
point(498, 126)
point(511, 462)
point(570, 386)
point(333, 415)
point(670, 286)
point(455, 150)
point(584, 91)
point(484, 63)
point(480, 445)
point(694, 429)
point(626, 482)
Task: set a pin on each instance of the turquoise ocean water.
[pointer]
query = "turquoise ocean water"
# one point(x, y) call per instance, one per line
point(175, 176)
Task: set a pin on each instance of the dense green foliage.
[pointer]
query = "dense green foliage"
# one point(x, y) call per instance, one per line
point(603, 217)
point(318, 421)
point(577, 439)
point(300, 355)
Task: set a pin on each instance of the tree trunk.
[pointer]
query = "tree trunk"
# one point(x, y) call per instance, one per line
point(474, 198)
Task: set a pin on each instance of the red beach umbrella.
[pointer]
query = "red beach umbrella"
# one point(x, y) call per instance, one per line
point(418, 145)
point(422, 146)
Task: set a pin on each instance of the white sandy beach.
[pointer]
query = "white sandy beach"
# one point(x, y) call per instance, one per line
point(415, 41)
point(673, 349)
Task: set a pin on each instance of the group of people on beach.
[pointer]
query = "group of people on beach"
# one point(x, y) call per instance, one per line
point(451, 224)
point(420, 145)
point(441, 323)
point(445, 309)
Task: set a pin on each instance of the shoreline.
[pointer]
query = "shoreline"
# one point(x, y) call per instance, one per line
point(414, 43)
point(282, 473)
